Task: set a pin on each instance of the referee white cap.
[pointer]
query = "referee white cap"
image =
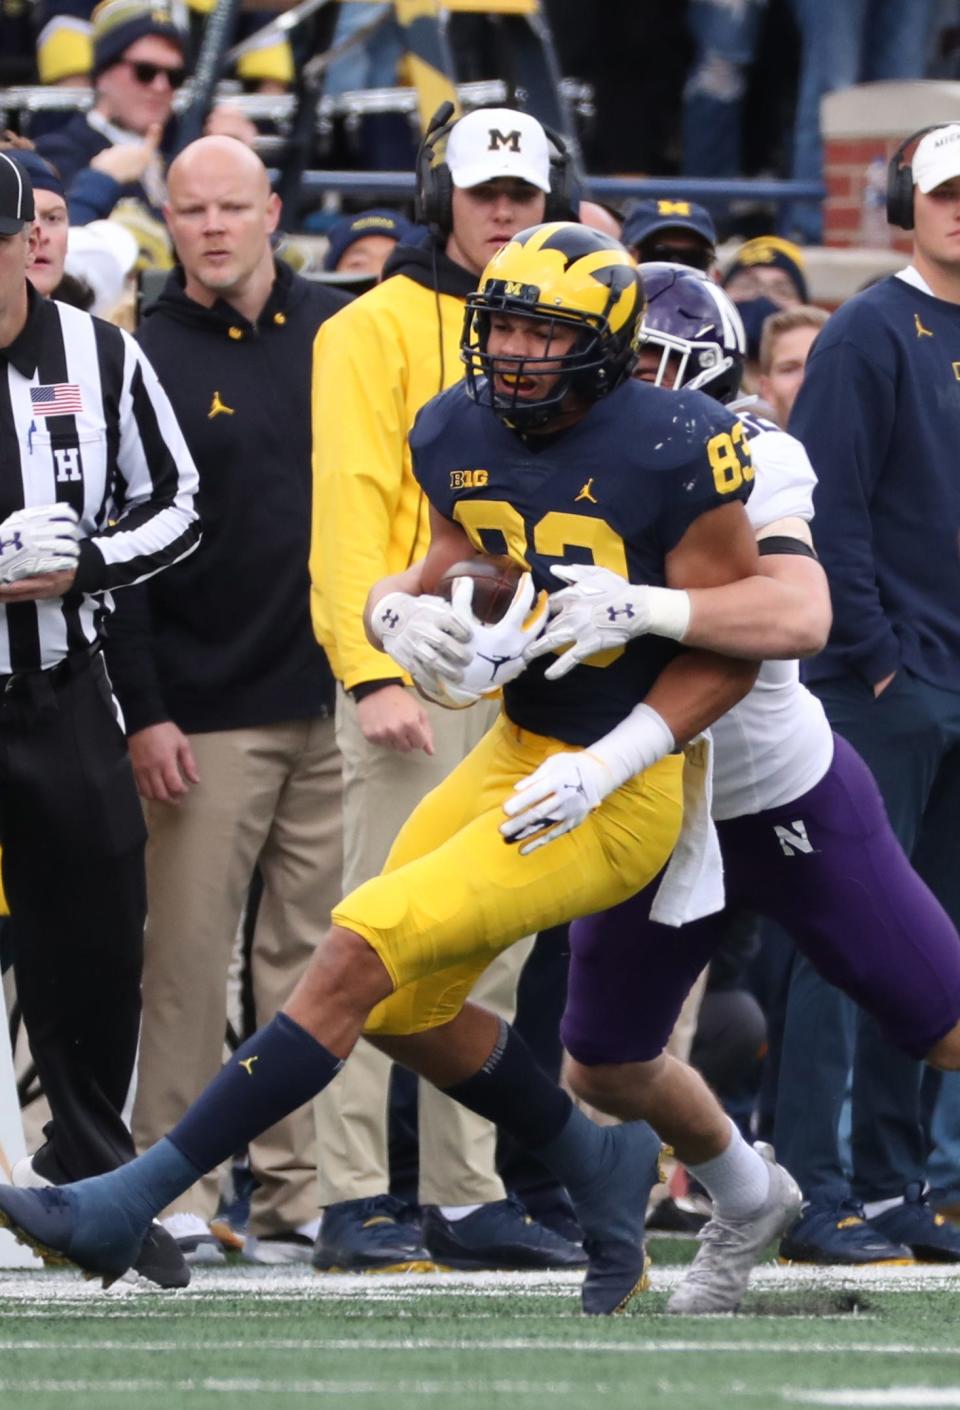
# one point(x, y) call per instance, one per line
point(16, 196)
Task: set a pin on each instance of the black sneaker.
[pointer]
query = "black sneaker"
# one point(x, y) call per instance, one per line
point(497, 1235)
point(370, 1236)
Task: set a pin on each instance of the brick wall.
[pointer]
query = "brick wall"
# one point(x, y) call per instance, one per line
point(861, 125)
point(846, 164)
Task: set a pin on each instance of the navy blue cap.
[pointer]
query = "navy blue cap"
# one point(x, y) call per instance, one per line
point(646, 218)
point(378, 221)
point(43, 177)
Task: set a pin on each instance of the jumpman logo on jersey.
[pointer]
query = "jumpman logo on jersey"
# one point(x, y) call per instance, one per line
point(921, 331)
point(247, 1064)
point(219, 408)
point(586, 493)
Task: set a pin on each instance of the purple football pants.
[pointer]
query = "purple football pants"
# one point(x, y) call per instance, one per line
point(830, 870)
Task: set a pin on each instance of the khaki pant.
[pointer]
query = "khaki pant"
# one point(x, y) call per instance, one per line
point(269, 795)
point(457, 1148)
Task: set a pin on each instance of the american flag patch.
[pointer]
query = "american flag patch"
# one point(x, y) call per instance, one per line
point(56, 399)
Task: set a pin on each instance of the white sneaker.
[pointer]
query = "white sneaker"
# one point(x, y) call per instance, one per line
point(729, 1248)
point(290, 1246)
point(25, 1177)
point(194, 1238)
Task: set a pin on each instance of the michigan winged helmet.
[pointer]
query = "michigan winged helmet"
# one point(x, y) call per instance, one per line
point(560, 274)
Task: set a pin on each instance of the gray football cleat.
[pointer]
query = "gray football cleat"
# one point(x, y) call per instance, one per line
point(729, 1248)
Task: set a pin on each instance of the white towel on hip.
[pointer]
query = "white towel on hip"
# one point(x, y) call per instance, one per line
point(692, 885)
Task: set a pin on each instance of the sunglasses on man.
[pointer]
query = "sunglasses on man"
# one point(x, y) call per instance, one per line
point(146, 73)
point(695, 256)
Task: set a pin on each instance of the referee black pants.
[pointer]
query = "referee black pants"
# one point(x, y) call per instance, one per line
point(73, 834)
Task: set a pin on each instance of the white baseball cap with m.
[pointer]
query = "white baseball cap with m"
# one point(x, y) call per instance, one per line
point(492, 142)
point(937, 158)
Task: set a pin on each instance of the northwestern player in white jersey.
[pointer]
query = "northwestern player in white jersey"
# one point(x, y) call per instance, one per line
point(803, 833)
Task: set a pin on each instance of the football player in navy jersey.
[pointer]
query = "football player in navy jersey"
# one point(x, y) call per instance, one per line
point(803, 833)
point(550, 452)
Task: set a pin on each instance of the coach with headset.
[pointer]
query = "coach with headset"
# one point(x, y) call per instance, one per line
point(879, 414)
point(480, 180)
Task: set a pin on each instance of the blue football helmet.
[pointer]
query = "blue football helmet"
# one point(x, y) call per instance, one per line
point(694, 321)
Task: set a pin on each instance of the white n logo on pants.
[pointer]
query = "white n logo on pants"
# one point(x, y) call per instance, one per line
point(68, 463)
point(792, 842)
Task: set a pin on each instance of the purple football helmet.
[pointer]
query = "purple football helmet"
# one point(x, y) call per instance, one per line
point(696, 323)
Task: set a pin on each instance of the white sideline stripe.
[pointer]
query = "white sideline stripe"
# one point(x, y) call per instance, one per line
point(928, 1396)
point(273, 1388)
point(294, 1283)
point(644, 1348)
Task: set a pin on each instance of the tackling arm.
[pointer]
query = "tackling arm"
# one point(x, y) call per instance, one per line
point(780, 613)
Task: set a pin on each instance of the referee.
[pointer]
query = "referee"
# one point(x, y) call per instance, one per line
point(96, 492)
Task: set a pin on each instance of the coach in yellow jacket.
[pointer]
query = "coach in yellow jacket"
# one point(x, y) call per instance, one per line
point(375, 364)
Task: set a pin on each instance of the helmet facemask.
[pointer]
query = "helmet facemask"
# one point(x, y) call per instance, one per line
point(587, 370)
point(700, 366)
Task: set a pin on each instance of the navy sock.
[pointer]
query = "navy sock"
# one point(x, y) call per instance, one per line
point(515, 1093)
point(607, 1170)
point(273, 1073)
point(141, 1188)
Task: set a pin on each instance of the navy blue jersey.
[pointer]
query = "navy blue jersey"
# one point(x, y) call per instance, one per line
point(879, 415)
point(619, 489)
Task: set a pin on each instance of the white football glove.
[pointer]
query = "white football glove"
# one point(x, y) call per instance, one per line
point(496, 650)
point(600, 610)
point(428, 637)
point(558, 795)
point(555, 799)
point(43, 539)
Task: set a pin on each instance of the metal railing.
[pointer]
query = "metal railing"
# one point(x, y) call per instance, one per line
point(279, 110)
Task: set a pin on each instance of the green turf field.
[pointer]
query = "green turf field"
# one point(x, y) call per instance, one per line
point(285, 1337)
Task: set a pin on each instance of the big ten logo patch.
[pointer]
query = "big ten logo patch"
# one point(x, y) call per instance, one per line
point(469, 479)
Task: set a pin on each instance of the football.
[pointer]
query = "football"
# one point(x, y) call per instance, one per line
point(495, 578)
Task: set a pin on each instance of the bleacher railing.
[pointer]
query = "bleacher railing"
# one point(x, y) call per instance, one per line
point(278, 110)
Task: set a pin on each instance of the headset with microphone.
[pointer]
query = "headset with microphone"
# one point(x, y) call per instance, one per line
point(434, 194)
point(900, 180)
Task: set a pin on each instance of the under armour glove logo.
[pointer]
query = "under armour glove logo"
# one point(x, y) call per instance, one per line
point(14, 542)
point(390, 619)
point(614, 612)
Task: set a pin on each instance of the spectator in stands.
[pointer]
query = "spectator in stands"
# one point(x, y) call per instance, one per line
point(362, 243)
point(120, 145)
point(766, 274)
point(767, 267)
point(785, 342)
point(64, 46)
point(227, 697)
point(726, 36)
point(678, 232)
point(843, 44)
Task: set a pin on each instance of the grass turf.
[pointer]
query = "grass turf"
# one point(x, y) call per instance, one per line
point(284, 1337)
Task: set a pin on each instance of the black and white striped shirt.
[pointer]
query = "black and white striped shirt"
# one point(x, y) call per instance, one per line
point(84, 420)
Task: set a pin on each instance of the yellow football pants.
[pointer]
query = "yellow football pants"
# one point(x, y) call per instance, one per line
point(453, 894)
